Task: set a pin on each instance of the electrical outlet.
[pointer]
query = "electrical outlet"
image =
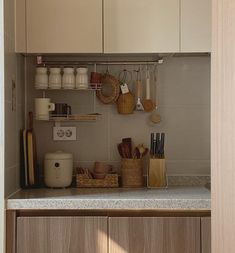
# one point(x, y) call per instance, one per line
point(64, 133)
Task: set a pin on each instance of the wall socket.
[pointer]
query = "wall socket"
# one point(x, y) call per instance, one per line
point(64, 133)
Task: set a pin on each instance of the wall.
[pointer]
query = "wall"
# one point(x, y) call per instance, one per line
point(184, 91)
point(14, 117)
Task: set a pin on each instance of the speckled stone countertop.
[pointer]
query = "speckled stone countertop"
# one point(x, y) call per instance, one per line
point(173, 198)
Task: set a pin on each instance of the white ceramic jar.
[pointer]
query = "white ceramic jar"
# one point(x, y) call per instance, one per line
point(58, 169)
point(68, 80)
point(41, 78)
point(55, 78)
point(82, 78)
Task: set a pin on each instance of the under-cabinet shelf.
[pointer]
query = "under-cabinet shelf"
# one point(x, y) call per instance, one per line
point(75, 118)
point(91, 87)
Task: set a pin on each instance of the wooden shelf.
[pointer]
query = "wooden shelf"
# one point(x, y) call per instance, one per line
point(91, 87)
point(75, 118)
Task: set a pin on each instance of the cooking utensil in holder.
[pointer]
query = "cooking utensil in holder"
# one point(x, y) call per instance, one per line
point(157, 173)
point(132, 172)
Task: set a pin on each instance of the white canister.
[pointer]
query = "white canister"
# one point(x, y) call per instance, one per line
point(43, 107)
point(68, 80)
point(58, 169)
point(82, 78)
point(41, 78)
point(55, 78)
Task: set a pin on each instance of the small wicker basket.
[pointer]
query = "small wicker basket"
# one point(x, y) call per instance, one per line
point(132, 172)
point(110, 181)
point(126, 103)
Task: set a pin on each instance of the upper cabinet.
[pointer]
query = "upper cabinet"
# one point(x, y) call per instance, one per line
point(137, 26)
point(196, 25)
point(58, 26)
point(113, 26)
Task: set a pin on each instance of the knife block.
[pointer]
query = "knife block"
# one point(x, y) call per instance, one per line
point(157, 177)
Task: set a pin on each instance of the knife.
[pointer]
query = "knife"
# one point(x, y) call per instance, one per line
point(152, 144)
point(161, 152)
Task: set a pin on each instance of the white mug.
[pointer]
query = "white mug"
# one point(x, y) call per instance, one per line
point(43, 107)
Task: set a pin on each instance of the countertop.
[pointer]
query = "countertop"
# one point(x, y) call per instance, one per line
point(173, 198)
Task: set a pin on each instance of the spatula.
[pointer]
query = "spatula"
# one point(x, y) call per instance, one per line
point(139, 106)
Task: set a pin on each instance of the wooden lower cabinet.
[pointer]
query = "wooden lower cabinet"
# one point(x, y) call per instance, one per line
point(62, 235)
point(154, 235)
point(206, 234)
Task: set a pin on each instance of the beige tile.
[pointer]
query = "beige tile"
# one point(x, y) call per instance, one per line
point(10, 180)
point(188, 167)
point(91, 144)
point(10, 68)
point(184, 81)
point(11, 138)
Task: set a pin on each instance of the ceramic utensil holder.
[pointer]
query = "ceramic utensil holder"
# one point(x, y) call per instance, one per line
point(157, 177)
point(132, 172)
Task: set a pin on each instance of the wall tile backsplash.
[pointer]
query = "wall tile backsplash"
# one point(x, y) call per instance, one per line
point(184, 104)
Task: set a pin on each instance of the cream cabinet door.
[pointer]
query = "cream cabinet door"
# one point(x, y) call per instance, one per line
point(206, 234)
point(196, 25)
point(59, 26)
point(137, 26)
point(151, 235)
point(20, 26)
point(62, 235)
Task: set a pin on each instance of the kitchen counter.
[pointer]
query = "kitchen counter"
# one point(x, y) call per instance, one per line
point(173, 198)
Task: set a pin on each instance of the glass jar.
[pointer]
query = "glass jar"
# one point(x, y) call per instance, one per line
point(55, 78)
point(82, 78)
point(41, 78)
point(68, 80)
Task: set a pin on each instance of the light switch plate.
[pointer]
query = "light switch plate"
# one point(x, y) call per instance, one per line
point(64, 133)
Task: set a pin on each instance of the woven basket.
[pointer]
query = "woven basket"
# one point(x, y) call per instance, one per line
point(113, 84)
point(126, 103)
point(110, 181)
point(132, 172)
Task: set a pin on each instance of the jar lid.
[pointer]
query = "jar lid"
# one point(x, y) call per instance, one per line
point(60, 155)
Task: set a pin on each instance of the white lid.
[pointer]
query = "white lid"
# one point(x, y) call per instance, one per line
point(58, 155)
point(41, 70)
point(68, 70)
point(55, 70)
point(82, 70)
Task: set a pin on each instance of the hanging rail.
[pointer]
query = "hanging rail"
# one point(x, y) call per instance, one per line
point(69, 63)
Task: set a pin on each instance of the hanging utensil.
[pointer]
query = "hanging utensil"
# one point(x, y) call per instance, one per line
point(155, 117)
point(139, 106)
point(126, 101)
point(148, 103)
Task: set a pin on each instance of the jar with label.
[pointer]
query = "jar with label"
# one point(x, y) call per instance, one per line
point(82, 78)
point(68, 80)
point(41, 78)
point(55, 78)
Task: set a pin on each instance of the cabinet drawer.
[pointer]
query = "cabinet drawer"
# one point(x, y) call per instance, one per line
point(62, 235)
point(151, 235)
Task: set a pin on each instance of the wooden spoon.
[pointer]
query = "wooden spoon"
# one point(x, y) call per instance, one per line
point(148, 103)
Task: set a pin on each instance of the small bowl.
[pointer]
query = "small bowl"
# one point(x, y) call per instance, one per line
point(99, 175)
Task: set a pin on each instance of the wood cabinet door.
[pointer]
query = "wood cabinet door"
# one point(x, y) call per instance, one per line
point(206, 234)
point(137, 26)
point(58, 26)
point(154, 235)
point(62, 235)
point(196, 25)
